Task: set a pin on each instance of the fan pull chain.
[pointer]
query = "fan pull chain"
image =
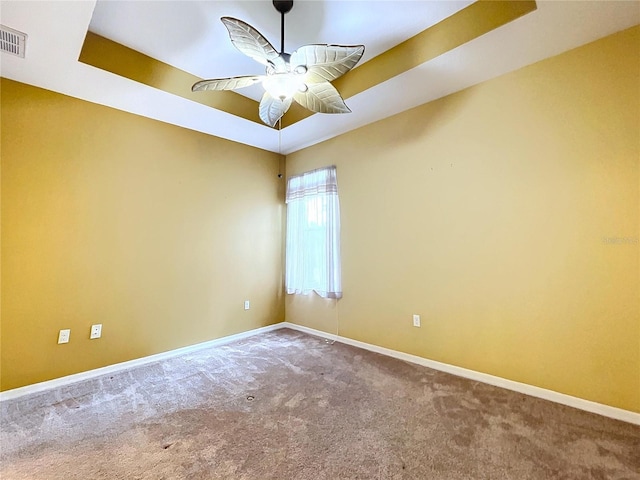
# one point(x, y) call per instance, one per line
point(280, 147)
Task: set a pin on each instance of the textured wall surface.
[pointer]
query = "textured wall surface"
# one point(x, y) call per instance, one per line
point(156, 232)
point(507, 216)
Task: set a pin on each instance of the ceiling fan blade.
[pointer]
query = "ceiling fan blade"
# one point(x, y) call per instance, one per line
point(272, 108)
point(227, 83)
point(326, 62)
point(322, 98)
point(251, 42)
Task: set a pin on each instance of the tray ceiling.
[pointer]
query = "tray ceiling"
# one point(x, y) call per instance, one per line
point(142, 57)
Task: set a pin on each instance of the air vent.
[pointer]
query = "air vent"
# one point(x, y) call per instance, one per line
point(12, 41)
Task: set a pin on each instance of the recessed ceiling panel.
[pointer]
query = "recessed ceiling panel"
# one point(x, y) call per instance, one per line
point(190, 36)
point(183, 41)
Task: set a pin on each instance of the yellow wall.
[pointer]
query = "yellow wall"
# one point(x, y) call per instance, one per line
point(157, 232)
point(485, 212)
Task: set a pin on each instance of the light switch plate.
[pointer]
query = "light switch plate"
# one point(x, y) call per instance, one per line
point(63, 336)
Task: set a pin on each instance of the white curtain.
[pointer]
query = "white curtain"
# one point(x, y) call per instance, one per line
point(313, 234)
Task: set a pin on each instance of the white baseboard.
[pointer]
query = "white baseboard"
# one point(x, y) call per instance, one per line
point(77, 377)
point(575, 402)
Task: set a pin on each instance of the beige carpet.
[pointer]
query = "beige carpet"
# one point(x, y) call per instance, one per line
point(286, 405)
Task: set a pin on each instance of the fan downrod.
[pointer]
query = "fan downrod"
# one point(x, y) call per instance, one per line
point(283, 6)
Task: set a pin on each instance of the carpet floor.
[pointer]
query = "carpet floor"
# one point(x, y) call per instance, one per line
point(286, 405)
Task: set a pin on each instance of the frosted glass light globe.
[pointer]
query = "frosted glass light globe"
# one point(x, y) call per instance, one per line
point(284, 85)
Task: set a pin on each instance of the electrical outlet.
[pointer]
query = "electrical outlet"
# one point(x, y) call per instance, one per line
point(416, 320)
point(246, 304)
point(96, 331)
point(63, 336)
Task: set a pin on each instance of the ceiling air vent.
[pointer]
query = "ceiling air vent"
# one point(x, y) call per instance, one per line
point(12, 41)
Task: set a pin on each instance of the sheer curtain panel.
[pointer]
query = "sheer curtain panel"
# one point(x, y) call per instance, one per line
point(313, 234)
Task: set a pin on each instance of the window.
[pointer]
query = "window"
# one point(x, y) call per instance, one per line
point(313, 234)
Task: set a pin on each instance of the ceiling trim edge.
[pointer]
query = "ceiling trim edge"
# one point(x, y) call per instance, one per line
point(469, 23)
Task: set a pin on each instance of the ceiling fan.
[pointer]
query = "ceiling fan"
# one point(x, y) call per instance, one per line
point(303, 76)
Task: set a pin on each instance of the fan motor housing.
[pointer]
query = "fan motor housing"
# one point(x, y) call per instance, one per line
point(283, 6)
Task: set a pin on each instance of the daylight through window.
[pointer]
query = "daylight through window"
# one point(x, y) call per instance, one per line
point(313, 234)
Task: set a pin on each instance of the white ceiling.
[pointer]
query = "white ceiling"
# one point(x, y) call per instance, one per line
point(195, 40)
point(190, 36)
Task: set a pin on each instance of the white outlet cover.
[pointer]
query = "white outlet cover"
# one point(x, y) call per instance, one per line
point(416, 320)
point(96, 331)
point(246, 304)
point(63, 336)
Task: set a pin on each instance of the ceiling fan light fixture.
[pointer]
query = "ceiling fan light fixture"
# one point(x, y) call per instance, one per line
point(284, 85)
point(304, 76)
